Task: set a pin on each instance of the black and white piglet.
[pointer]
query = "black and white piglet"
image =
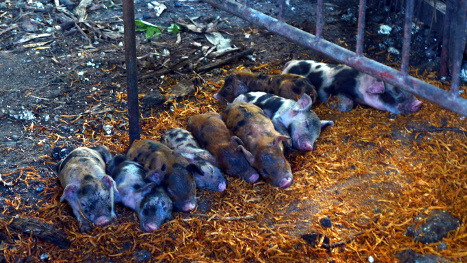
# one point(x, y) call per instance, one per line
point(352, 87)
point(291, 118)
point(184, 143)
point(150, 202)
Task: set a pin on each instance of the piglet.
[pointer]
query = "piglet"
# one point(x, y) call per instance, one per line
point(352, 87)
point(289, 86)
point(184, 143)
point(169, 168)
point(150, 202)
point(264, 149)
point(87, 188)
point(291, 118)
point(212, 134)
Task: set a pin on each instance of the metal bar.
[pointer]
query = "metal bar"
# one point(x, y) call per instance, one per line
point(131, 68)
point(342, 55)
point(319, 19)
point(407, 36)
point(361, 27)
point(444, 60)
point(459, 44)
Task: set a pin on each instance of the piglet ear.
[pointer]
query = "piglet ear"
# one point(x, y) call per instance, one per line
point(193, 168)
point(248, 155)
point(104, 152)
point(304, 103)
point(70, 193)
point(147, 188)
point(374, 86)
point(109, 183)
point(234, 140)
point(326, 123)
point(190, 157)
point(279, 139)
point(154, 176)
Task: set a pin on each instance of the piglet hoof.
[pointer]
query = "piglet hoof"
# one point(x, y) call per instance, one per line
point(150, 227)
point(285, 182)
point(85, 227)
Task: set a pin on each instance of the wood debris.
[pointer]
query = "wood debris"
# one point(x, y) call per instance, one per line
point(369, 174)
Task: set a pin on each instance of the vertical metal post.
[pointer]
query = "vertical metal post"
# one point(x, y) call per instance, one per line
point(361, 27)
point(459, 44)
point(319, 18)
point(407, 36)
point(131, 69)
point(444, 60)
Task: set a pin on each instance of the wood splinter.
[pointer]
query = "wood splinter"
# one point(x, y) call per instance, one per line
point(36, 228)
point(214, 217)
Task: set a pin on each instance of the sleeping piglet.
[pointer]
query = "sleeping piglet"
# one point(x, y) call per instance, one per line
point(166, 167)
point(87, 188)
point(213, 135)
point(150, 202)
point(289, 86)
point(290, 118)
point(353, 87)
point(264, 149)
point(184, 143)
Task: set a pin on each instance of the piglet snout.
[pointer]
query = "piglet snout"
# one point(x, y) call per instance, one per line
point(305, 146)
point(218, 97)
point(416, 106)
point(188, 206)
point(221, 187)
point(102, 221)
point(285, 182)
point(150, 227)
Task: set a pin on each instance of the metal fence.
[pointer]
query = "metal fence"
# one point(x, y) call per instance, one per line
point(456, 23)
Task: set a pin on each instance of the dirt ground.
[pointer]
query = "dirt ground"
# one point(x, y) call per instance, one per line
point(63, 84)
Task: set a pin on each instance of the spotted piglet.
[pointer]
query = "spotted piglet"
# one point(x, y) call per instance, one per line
point(262, 141)
point(87, 188)
point(212, 134)
point(150, 202)
point(290, 118)
point(352, 87)
point(184, 143)
point(289, 86)
point(166, 167)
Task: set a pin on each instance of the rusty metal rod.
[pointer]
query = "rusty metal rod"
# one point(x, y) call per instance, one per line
point(361, 27)
point(407, 37)
point(342, 55)
point(319, 19)
point(131, 68)
point(444, 60)
point(459, 44)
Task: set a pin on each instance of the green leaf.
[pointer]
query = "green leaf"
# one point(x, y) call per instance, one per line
point(174, 29)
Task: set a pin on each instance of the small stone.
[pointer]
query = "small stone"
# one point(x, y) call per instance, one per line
point(153, 98)
point(325, 222)
point(142, 256)
point(384, 30)
point(412, 256)
point(431, 227)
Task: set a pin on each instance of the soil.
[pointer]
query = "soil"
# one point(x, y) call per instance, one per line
point(68, 89)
